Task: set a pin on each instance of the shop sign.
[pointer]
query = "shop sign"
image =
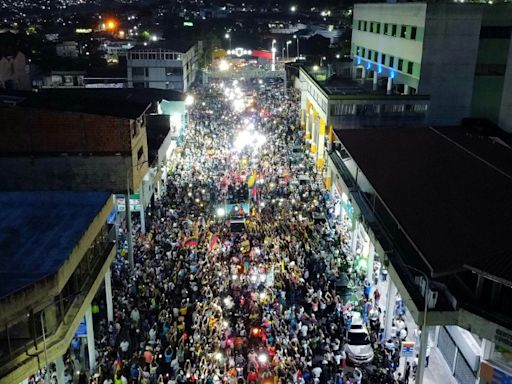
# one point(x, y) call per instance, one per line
point(490, 374)
point(502, 337)
point(407, 349)
point(135, 205)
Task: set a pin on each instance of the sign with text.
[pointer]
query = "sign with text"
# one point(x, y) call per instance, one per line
point(134, 203)
point(490, 374)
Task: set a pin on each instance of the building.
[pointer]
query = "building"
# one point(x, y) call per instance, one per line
point(433, 206)
point(457, 53)
point(332, 101)
point(49, 282)
point(67, 49)
point(164, 65)
point(13, 70)
point(63, 79)
point(90, 139)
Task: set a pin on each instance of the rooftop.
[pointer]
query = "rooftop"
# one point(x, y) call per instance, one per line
point(38, 231)
point(336, 86)
point(123, 102)
point(172, 45)
point(448, 191)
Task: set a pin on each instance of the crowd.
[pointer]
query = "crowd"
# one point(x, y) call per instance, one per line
point(212, 302)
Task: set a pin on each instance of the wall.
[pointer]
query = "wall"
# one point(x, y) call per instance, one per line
point(450, 50)
point(29, 130)
point(70, 173)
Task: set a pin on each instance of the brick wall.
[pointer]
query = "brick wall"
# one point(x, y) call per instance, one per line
point(26, 130)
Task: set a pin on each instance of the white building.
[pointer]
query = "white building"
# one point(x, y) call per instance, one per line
point(456, 53)
point(164, 65)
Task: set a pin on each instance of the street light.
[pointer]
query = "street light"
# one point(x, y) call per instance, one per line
point(297, 37)
point(228, 36)
point(287, 53)
point(273, 68)
point(293, 8)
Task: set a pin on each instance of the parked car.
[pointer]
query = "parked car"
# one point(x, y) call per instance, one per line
point(358, 347)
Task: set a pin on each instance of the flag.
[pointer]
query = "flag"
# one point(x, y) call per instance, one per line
point(252, 180)
point(213, 242)
point(191, 241)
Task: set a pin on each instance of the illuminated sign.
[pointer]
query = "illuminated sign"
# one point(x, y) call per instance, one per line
point(83, 30)
point(490, 374)
point(188, 24)
point(239, 52)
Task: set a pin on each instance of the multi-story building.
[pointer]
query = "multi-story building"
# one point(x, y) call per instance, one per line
point(457, 53)
point(89, 139)
point(431, 205)
point(164, 65)
point(329, 102)
point(67, 49)
point(49, 282)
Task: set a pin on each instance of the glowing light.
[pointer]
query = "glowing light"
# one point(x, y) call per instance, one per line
point(262, 358)
point(154, 38)
point(189, 100)
point(223, 65)
point(255, 331)
point(221, 212)
point(293, 8)
point(110, 24)
point(316, 67)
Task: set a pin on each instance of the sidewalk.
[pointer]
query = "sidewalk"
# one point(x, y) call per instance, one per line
point(438, 370)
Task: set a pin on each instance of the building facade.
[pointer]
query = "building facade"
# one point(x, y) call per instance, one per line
point(164, 65)
point(13, 72)
point(399, 190)
point(327, 104)
point(47, 291)
point(459, 54)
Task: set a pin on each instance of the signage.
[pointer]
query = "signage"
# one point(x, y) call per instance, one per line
point(134, 203)
point(81, 331)
point(491, 374)
point(83, 30)
point(239, 52)
point(407, 349)
point(188, 24)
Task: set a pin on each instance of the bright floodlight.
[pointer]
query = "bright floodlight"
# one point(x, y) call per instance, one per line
point(293, 8)
point(223, 65)
point(227, 36)
point(154, 38)
point(189, 100)
point(238, 104)
point(221, 212)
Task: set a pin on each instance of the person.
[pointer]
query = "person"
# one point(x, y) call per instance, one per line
point(407, 372)
point(427, 356)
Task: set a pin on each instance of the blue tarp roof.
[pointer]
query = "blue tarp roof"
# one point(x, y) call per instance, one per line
point(38, 231)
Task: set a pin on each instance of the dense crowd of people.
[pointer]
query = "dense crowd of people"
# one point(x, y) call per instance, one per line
point(236, 279)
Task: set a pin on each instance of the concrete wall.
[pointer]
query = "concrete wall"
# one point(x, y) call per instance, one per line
point(450, 50)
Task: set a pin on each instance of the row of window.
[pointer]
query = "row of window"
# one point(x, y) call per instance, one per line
point(386, 60)
point(394, 30)
point(375, 109)
point(157, 55)
point(169, 71)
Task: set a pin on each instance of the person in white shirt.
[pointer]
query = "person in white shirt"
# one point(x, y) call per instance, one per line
point(317, 371)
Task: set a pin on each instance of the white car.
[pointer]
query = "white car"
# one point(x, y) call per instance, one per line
point(358, 346)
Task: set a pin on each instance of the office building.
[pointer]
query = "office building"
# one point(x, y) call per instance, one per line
point(164, 65)
point(458, 53)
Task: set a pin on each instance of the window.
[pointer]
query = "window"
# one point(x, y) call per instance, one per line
point(363, 52)
point(137, 71)
point(173, 71)
point(375, 56)
point(393, 30)
point(400, 64)
point(371, 26)
point(403, 31)
point(140, 154)
point(386, 28)
point(146, 70)
point(410, 67)
point(383, 59)
point(359, 25)
point(369, 54)
point(365, 24)
point(391, 61)
point(414, 30)
point(377, 27)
